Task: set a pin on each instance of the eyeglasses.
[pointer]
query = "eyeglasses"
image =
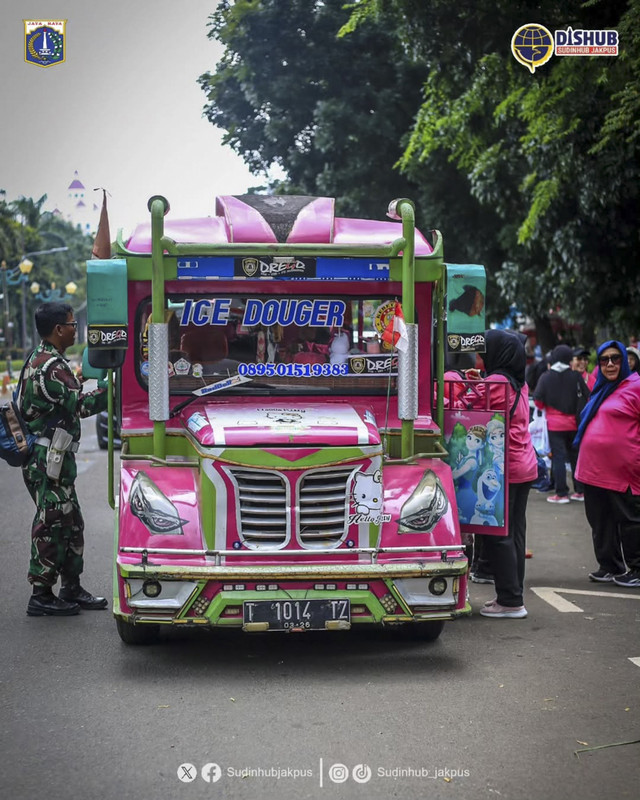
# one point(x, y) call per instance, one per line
point(74, 323)
point(615, 359)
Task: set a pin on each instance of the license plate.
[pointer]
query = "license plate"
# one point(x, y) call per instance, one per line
point(286, 615)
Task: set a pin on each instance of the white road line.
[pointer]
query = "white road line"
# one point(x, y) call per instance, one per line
point(635, 661)
point(551, 595)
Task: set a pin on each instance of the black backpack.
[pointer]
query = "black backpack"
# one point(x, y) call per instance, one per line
point(16, 440)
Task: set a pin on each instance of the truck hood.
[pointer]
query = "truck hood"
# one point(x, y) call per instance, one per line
point(288, 423)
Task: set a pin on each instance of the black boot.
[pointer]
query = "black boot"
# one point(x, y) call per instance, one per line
point(74, 593)
point(43, 602)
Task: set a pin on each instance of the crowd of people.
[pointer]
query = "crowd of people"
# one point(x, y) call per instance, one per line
point(593, 419)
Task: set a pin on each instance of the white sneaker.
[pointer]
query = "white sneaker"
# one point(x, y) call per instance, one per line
point(503, 612)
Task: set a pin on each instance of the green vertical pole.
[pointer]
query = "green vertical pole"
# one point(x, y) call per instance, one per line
point(440, 295)
point(407, 213)
point(158, 207)
point(110, 460)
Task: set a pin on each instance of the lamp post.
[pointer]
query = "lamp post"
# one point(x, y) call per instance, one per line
point(5, 316)
point(19, 276)
point(54, 294)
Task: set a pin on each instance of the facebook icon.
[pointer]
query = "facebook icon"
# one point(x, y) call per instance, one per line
point(211, 773)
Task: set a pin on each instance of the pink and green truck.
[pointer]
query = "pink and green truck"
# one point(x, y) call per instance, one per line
point(282, 464)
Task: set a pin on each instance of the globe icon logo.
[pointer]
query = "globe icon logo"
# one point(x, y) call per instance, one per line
point(532, 45)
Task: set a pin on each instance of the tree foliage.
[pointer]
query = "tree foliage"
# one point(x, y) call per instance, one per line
point(25, 229)
point(536, 176)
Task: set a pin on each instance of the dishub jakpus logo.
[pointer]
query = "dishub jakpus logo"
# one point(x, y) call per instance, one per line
point(44, 42)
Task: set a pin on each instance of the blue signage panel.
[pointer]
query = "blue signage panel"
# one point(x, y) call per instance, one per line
point(282, 268)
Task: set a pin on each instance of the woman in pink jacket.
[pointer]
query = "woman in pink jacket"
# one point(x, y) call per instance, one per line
point(609, 467)
point(504, 556)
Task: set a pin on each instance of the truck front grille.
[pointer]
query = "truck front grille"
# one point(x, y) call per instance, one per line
point(322, 507)
point(262, 499)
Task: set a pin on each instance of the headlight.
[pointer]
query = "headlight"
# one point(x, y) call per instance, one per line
point(151, 588)
point(426, 506)
point(436, 592)
point(171, 595)
point(153, 508)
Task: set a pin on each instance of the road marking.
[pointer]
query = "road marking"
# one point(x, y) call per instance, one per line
point(551, 595)
point(635, 661)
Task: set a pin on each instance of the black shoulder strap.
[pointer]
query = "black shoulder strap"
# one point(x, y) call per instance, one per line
point(515, 404)
point(18, 391)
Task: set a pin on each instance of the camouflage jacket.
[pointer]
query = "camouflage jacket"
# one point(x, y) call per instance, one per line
point(52, 397)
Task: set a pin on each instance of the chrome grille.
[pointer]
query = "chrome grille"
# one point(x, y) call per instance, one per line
point(262, 500)
point(322, 507)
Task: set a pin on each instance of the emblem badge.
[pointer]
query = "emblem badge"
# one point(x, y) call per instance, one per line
point(250, 266)
point(453, 341)
point(357, 364)
point(44, 42)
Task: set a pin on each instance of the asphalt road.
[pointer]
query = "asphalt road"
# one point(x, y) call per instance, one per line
point(494, 709)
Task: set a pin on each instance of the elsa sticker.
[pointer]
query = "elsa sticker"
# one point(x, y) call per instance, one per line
point(466, 470)
point(495, 440)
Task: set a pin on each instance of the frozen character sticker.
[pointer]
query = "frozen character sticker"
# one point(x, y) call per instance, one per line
point(488, 487)
point(495, 440)
point(466, 469)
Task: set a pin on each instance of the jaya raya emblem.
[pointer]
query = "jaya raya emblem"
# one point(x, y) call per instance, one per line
point(532, 45)
point(44, 42)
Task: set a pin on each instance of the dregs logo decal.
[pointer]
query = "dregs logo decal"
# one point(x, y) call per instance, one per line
point(44, 42)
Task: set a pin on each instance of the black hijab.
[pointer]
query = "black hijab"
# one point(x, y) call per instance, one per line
point(506, 356)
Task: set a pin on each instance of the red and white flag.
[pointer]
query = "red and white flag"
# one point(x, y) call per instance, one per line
point(395, 333)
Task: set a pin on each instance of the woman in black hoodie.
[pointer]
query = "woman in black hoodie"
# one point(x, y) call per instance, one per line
point(562, 393)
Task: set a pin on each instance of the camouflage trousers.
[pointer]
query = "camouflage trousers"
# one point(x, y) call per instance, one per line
point(57, 540)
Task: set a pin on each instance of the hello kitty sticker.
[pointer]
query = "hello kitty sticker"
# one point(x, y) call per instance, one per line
point(366, 497)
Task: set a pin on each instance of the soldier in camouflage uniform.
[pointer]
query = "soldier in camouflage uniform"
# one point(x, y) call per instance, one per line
point(51, 397)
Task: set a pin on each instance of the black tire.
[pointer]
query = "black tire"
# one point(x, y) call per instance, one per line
point(424, 631)
point(146, 633)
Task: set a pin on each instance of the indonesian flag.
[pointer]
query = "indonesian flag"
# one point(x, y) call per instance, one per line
point(395, 333)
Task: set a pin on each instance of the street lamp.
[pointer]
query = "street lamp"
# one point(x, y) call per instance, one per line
point(54, 295)
point(14, 277)
point(19, 276)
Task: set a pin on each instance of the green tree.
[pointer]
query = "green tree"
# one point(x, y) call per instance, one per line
point(553, 156)
point(26, 229)
point(330, 112)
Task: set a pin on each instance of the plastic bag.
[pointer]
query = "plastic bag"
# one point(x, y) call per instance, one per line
point(539, 432)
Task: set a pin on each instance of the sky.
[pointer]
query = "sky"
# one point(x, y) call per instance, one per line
point(124, 110)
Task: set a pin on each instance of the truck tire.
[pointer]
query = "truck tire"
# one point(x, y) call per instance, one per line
point(422, 631)
point(137, 634)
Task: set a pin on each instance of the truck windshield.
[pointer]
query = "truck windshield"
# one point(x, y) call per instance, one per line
point(284, 343)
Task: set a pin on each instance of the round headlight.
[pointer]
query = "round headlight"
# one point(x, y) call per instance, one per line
point(151, 588)
point(438, 586)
